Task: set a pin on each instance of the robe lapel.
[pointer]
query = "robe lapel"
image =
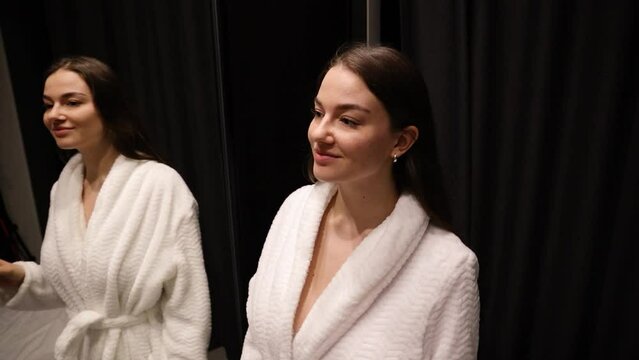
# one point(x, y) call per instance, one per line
point(104, 236)
point(67, 235)
point(85, 254)
point(364, 275)
point(303, 236)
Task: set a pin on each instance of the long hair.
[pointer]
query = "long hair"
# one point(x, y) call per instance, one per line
point(122, 124)
point(400, 87)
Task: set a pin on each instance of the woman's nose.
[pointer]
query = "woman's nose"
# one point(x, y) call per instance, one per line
point(54, 113)
point(320, 130)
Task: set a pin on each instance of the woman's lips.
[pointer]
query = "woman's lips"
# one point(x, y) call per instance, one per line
point(61, 132)
point(324, 158)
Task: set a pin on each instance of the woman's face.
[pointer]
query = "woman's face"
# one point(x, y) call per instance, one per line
point(70, 113)
point(350, 134)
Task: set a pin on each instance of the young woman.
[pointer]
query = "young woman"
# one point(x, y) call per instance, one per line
point(360, 265)
point(122, 246)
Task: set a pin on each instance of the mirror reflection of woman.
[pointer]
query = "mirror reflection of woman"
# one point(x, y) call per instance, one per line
point(122, 248)
point(360, 265)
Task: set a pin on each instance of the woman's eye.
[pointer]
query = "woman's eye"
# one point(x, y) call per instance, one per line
point(316, 113)
point(348, 122)
point(47, 106)
point(73, 103)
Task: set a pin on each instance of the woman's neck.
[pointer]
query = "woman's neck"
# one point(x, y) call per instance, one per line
point(98, 162)
point(360, 208)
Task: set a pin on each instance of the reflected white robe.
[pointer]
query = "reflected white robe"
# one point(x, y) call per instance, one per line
point(133, 280)
point(408, 291)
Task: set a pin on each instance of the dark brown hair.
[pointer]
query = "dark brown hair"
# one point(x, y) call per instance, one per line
point(400, 87)
point(122, 124)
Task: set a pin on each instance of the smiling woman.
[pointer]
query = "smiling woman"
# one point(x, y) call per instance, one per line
point(361, 264)
point(84, 88)
point(122, 249)
point(70, 113)
point(351, 135)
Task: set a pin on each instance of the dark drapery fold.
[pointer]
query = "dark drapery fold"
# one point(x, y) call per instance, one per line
point(273, 53)
point(28, 54)
point(439, 44)
point(536, 108)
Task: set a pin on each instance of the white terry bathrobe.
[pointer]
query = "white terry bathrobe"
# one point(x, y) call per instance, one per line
point(133, 280)
point(408, 291)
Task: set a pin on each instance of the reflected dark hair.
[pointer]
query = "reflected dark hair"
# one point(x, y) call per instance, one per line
point(122, 124)
point(400, 87)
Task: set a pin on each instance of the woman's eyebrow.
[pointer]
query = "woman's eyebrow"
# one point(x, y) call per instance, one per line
point(65, 95)
point(346, 106)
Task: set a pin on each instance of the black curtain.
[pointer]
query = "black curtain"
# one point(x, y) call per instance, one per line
point(28, 53)
point(273, 53)
point(536, 107)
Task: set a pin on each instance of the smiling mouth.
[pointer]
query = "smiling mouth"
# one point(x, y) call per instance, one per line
point(324, 158)
point(326, 154)
point(61, 131)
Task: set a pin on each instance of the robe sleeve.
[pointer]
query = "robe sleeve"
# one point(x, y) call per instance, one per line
point(453, 327)
point(186, 306)
point(35, 293)
point(249, 351)
point(253, 346)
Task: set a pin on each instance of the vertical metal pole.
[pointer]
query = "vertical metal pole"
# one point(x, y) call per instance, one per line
point(373, 22)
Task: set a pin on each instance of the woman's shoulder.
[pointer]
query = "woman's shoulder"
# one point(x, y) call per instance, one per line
point(316, 191)
point(158, 175)
point(447, 245)
point(301, 191)
point(156, 170)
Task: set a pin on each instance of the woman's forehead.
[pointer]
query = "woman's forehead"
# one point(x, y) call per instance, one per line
point(64, 82)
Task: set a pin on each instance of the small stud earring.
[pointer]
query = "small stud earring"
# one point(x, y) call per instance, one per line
point(394, 158)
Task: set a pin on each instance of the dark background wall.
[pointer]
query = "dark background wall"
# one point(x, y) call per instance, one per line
point(535, 104)
point(272, 60)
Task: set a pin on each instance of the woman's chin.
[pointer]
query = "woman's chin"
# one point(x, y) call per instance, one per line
point(325, 176)
point(66, 145)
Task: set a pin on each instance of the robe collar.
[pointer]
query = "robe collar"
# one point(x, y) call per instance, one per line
point(77, 243)
point(364, 275)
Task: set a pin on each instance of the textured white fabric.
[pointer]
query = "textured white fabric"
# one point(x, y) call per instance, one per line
point(133, 280)
point(408, 291)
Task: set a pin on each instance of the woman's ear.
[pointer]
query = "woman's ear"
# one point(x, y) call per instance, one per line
point(406, 139)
